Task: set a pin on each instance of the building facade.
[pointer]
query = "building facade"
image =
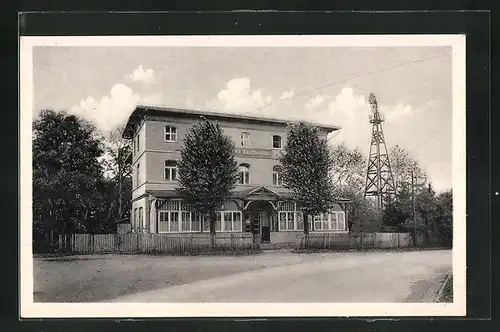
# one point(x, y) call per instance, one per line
point(259, 203)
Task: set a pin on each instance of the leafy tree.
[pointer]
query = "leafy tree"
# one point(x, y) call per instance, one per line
point(364, 216)
point(349, 168)
point(426, 209)
point(207, 169)
point(66, 172)
point(444, 221)
point(402, 165)
point(116, 163)
point(307, 171)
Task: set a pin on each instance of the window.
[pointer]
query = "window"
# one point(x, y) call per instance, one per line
point(134, 224)
point(141, 219)
point(228, 221)
point(245, 139)
point(300, 221)
point(287, 217)
point(173, 216)
point(137, 174)
point(170, 134)
point(290, 219)
point(333, 221)
point(276, 142)
point(170, 170)
point(244, 174)
point(137, 145)
point(277, 175)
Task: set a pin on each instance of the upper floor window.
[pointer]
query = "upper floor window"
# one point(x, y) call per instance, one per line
point(277, 175)
point(244, 174)
point(137, 174)
point(245, 139)
point(276, 142)
point(170, 170)
point(137, 145)
point(170, 134)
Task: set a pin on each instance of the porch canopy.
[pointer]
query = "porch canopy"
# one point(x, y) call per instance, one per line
point(243, 198)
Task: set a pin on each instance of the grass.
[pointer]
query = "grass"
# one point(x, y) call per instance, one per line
point(447, 292)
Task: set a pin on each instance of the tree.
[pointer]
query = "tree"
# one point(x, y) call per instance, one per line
point(307, 171)
point(426, 208)
point(349, 172)
point(402, 166)
point(444, 221)
point(207, 170)
point(66, 172)
point(349, 168)
point(117, 167)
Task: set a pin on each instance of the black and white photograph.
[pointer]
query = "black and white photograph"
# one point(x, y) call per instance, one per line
point(185, 176)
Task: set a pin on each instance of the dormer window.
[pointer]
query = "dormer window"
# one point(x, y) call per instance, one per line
point(245, 139)
point(170, 134)
point(276, 142)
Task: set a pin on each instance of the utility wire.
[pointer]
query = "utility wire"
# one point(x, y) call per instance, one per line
point(351, 78)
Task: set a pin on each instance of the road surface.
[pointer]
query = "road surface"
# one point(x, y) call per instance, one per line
point(329, 277)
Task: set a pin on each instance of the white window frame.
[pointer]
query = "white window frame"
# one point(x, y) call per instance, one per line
point(180, 212)
point(245, 139)
point(221, 221)
point(328, 224)
point(277, 176)
point(281, 142)
point(296, 214)
point(245, 170)
point(170, 170)
point(172, 132)
point(287, 214)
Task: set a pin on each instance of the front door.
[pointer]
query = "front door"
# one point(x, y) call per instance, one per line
point(256, 218)
point(265, 228)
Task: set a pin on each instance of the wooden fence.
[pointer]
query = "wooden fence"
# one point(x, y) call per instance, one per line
point(356, 241)
point(155, 243)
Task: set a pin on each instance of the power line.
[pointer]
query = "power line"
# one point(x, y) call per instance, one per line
point(349, 79)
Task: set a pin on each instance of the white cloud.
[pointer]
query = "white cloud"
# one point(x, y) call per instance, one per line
point(141, 75)
point(351, 112)
point(316, 101)
point(238, 96)
point(110, 111)
point(287, 94)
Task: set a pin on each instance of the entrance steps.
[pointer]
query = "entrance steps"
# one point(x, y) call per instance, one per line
point(267, 246)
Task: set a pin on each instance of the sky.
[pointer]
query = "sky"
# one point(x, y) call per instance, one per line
point(327, 85)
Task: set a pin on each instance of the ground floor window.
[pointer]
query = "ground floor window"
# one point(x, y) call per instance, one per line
point(291, 219)
point(173, 217)
point(333, 221)
point(228, 221)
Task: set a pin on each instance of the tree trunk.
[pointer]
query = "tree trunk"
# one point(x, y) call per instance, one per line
point(306, 230)
point(213, 219)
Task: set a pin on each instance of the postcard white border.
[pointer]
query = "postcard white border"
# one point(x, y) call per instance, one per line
point(30, 309)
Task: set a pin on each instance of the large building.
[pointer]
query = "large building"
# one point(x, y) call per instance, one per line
point(259, 203)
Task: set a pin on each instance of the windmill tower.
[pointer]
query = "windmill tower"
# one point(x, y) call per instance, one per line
point(379, 179)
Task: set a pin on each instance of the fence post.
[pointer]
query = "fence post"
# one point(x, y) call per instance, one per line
point(232, 241)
